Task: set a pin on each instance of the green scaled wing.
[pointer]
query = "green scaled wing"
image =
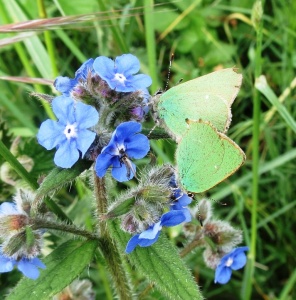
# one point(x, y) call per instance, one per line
point(208, 97)
point(205, 157)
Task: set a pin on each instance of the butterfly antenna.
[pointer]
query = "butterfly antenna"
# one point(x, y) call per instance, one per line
point(218, 202)
point(169, 71)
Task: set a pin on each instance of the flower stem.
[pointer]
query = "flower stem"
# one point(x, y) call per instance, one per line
point(38, 223)
point(108, 246)
point(246, 292)
point(195, 243)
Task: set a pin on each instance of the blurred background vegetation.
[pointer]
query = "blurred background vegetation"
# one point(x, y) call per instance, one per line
point(205, 36)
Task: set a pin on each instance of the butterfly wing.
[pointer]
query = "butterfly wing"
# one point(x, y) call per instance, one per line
point(205, 157)
point(207, 97)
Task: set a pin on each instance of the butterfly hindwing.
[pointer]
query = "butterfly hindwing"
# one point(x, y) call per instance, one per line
point(205, 157)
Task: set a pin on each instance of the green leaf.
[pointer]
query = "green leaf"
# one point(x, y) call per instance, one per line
point(63, 265)
point(162, 266)
point(58, 177)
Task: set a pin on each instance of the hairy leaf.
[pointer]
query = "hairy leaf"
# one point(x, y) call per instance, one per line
point(162, 266)
point(63, 265)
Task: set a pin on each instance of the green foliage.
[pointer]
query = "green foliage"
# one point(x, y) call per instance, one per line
point(63, 265)
point(204, 35)
point(162, 266)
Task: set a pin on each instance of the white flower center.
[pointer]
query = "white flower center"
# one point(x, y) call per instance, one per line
point(120, 77)
point(229, 262)
point(70, 131)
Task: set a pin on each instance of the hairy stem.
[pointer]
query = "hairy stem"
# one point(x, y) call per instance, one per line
point(108, 247)
point(38, 223)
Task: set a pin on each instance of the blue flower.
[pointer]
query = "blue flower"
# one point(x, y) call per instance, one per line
point(234, 260)
point(126, 143)
point(181, 204)
point(150, 236)
point(65, 84)
point(119, 74)
point(69, 134)
point(29, 267)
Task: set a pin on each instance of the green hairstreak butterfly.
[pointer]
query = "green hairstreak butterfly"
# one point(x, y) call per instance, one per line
point(205, 157)
point(208, 97)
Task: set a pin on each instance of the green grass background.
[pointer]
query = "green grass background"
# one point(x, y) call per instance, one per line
point(205, 36)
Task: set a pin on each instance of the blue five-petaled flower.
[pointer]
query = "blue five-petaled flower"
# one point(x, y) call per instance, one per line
point(70, 134)
point(234, 260)
point(125, 143)
point(65, 84)
point(28, 266)
point(120, 74)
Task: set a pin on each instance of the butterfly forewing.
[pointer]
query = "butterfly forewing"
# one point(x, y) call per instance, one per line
point(208, 97)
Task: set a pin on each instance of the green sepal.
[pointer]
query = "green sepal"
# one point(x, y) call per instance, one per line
point(162, 266)
point(63, 265)
point(30, 237)
point(121, 208)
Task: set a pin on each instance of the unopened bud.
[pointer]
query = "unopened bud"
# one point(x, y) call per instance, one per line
point(222, 235)
point(77, 290)
point(129, 224)
point(12, 223)
point(26, 243)
point(23, 199)
point(203, 211)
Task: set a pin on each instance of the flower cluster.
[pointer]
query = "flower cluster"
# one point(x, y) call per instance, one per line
point(114, 90)
point(21, 244)
point(98, 119)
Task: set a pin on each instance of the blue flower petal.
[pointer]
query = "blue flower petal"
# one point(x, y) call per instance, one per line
point(239, 261)
point(104, 67)
point(222, 275)
point(84, 141)
point(82, 72)
point(64, 84)
point(6, 264)
point(172, 218)
point(38, 263)
point(184, 200)
point(67, 154)
point(120, 170)
point(63, 108)
point(51, 134)
point(86, 115)
point(187, 214)
point(28, 269)
point(132, 244)
point(138, 146)
point(127, 64)
point(141, 81)
point(126, 130)
point(103, 162)
point(151, 232)
point(148, 242)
